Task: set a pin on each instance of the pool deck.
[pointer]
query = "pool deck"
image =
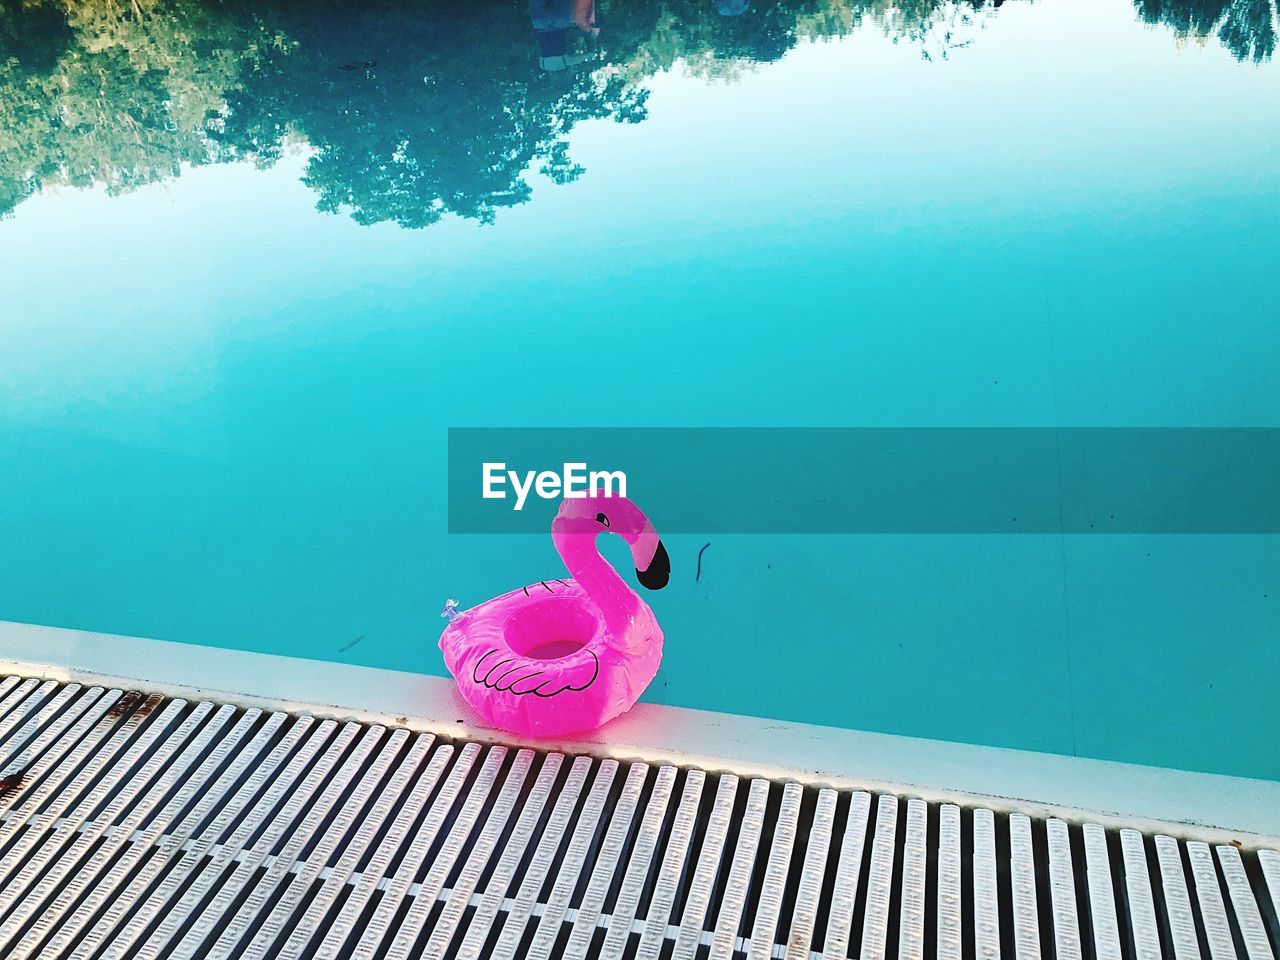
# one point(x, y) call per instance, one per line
point(1200, 806)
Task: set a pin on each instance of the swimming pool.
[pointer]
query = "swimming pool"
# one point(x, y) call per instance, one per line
point(223, 411)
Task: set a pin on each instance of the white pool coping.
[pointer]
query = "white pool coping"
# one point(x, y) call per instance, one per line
point(1209, 807)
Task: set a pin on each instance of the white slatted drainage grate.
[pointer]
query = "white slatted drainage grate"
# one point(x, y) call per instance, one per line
point(138, 826)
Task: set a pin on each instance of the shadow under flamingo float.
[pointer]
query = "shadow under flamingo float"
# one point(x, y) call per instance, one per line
point(564, 656)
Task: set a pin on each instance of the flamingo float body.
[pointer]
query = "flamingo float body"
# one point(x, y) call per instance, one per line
point(564, 656)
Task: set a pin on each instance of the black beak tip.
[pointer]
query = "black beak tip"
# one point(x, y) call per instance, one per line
point(656, 575)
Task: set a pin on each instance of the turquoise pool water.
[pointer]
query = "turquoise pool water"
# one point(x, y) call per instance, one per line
point(223, 412)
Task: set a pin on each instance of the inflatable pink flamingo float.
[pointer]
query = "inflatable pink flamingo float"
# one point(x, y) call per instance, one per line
point(565, 656)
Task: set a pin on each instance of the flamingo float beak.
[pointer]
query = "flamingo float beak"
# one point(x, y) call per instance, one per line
point(658, 572)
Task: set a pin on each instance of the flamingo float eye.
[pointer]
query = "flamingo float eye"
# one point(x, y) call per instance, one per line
point(601, 518)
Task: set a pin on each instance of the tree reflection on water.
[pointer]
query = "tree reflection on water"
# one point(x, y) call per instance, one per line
point(410, 111)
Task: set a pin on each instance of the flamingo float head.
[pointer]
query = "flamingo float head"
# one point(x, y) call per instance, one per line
point(581, 519)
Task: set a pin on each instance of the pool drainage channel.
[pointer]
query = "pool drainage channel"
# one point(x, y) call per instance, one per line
point(139, 826)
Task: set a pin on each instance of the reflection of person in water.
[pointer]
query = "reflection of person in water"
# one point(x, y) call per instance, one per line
point(552, 21)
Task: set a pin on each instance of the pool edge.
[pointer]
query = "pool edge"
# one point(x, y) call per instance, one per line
point(1209, 807)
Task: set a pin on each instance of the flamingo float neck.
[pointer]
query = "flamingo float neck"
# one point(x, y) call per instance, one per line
point(618, 603)
point(575, 530)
